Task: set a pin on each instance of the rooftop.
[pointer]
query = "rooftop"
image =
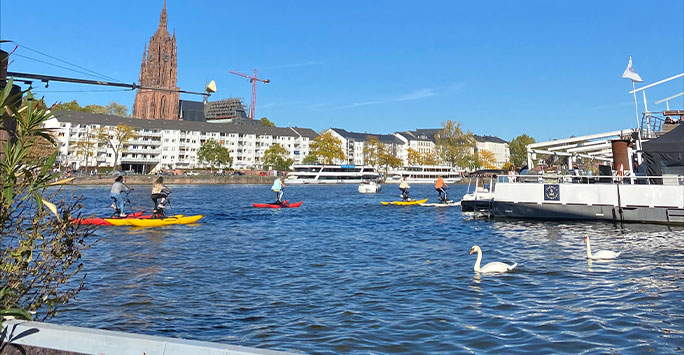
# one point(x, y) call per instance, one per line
point(79, 117)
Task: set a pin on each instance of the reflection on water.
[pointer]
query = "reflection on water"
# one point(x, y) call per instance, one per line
point(345, 274)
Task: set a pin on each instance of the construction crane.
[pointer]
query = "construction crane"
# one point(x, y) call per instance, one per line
point(253, 80)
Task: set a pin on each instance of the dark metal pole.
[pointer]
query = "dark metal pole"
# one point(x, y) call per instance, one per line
point(47, 78)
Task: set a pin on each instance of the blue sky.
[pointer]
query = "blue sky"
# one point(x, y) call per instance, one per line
point(549, 69)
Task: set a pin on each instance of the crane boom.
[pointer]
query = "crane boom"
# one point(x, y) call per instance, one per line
point(252, 79)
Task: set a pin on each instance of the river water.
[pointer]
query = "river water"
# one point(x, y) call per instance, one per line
point(344, 274)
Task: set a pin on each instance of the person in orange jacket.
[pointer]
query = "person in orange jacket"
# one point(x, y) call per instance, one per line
point(440, 186)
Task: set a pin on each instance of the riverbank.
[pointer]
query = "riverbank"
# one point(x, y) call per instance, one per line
point(176, 180)
point(191, 180)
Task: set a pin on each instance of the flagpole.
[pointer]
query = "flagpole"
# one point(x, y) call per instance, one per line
point(636, 113)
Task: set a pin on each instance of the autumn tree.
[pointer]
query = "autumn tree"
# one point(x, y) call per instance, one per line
point(326, 148)
point(414, 157)
point(86, 146)
point(214, 154)
point(388, 159)
point(266, 122)
point(429, 158)
point(486, 159)
point(518, 148)
point(454, 146)
point(117, 139)
point(372, 150)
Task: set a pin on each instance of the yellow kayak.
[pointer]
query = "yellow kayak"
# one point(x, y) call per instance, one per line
point(157, 222)
point(127, 221)
point(404, 203)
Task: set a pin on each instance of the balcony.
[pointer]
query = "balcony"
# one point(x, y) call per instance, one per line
point(149, 134)
point(142, 151)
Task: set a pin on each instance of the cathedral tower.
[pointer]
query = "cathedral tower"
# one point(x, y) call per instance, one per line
point(158, 70)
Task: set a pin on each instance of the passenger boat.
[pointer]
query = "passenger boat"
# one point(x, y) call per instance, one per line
point(424, 174)
point(640, 177)
point(330, 174)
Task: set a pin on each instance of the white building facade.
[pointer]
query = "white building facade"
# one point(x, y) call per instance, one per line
point(497, 146)
point(169, 144)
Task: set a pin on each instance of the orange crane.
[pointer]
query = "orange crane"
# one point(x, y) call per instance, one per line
point(253, 80)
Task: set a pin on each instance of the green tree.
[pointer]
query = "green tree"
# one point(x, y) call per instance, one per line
point(117, 138)
point(40, 246)
point(112, 108)
point(116, 109)
point(266, 122)
point(518, 148)
point(454, 146)
point(327, 148)
point(214, 154)
point(276, 157)
point(67, 106)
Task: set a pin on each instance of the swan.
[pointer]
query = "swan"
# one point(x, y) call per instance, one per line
point(603, 254)
point(491, 267)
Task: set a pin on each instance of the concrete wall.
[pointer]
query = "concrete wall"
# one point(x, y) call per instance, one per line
point(68, 339)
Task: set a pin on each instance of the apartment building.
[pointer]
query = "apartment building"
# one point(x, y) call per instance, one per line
point(497, 146)
point(169, 144)
point(354, 142)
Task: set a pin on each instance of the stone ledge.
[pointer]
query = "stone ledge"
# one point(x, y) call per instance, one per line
point(54, 339)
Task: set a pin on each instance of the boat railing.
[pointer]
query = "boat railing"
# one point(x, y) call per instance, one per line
point(655, 124)
point(593, 179)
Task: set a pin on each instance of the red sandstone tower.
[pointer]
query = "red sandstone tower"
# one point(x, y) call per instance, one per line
point(158, 70)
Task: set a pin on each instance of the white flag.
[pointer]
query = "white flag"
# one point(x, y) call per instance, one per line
point(630, 73)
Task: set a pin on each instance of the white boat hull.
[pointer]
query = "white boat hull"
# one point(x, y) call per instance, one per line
point(370, 188)
point(605, 201)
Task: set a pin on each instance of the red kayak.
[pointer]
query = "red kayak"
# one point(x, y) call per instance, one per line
point(285, 204)
point(100, 221)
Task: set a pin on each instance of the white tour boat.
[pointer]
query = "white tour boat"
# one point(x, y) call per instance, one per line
point(330, 174)
point(424, 174)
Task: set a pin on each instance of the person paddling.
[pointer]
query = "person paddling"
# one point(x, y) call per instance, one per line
point(115, 193)
point(440, 186)
point(278, 187)
point(404, 188)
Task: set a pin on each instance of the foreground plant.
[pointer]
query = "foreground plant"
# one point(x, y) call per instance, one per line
point(40, 248)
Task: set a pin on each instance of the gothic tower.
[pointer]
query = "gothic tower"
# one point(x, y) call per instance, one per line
point(158, 70)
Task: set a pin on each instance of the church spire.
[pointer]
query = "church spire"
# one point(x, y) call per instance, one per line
point(162, 17)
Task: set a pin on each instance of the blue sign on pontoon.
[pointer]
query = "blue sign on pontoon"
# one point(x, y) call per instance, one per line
point(348, 166)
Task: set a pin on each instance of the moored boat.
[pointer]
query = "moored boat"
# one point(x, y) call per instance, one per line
point(424, 174)
point(369, 187)
point(330, 174)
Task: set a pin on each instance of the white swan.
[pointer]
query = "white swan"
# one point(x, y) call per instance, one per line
point(603, 254)
point(491, 267)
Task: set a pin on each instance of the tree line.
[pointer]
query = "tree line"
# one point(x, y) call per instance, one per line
point(453, 146)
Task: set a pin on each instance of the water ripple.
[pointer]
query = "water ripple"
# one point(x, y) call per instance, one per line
point(344, 274)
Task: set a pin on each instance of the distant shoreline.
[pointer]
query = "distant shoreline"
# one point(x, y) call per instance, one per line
point(176, 180)
point(194, 180)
